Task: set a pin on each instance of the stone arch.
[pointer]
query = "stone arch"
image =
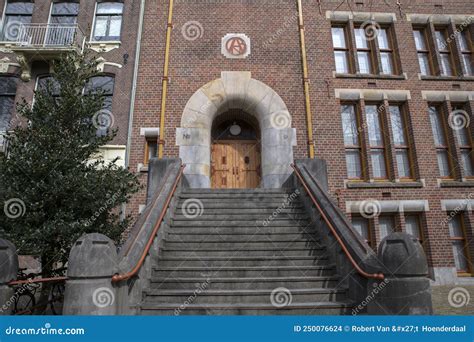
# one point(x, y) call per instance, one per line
point(236, 90)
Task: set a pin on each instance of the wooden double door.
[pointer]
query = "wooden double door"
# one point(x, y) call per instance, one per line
point(235, 164)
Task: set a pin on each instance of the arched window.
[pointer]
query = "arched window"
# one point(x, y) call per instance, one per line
point(16, 13)
point(108, 21)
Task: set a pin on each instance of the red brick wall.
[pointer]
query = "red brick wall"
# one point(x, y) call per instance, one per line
point(277, 62)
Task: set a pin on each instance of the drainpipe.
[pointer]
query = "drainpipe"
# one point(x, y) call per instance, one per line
point(309, 117)
point(161, 141)
point(134, 84)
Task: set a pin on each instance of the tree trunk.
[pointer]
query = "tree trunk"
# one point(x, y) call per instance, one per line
point(43, 301)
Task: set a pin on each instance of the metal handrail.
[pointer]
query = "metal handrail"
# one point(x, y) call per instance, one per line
point(379, 276)
point(124, 276)
point(37, 280)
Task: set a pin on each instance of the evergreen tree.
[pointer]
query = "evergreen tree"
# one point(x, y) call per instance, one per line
point(53, 186)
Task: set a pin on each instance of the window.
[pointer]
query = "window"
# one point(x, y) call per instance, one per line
point(376, 142)
point(362, 226)
point(108, 21)
point(105, 86)
point(64, 13)
point(465, 45)
point(436, 49)
point(386, 51)
point(48, 83)
point(413, 227)
point(441, 141)
point(422, 51)
point(364, 51)
point(352, 141)
point(400, 142)
point(7, 102)
point(459, 243)
point(386, 226)
point(445, 68)
point(367, 50)
point(16, 13)
point(341, 50)
point(464, 140)
point(151, 149)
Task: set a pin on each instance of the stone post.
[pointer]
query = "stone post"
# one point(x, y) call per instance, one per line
point(92, 263)
point(8, 272)
point(406, 289)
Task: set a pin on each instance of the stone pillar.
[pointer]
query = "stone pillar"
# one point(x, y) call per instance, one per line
point(92, 263)
point(406, 289)
point(8, 272)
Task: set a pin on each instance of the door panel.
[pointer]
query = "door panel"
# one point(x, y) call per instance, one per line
point(235, 164)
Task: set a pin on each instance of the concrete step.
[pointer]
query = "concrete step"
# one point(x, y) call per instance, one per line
point(237, 191)
point(247, 243)
point(306, 309)
point(240, 272)
point(245, 204)
point(243, 251)
point(242, 216)
point(209, 296)
point(251, 222)
point(184, 235)
point(189, 228)
point(241, 261)
point(243, 283)
point(261, 212)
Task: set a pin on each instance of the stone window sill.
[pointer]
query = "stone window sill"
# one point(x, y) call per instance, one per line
point(372, 77)
point(103, 46)
point(375, 185)
point(445, 78)
point(143, 169)
point(456, 184)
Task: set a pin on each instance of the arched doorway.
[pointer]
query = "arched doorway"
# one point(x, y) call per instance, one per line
point(235, 151)
point(236, 90)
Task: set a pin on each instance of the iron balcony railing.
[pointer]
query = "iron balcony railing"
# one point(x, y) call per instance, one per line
point(50, 36)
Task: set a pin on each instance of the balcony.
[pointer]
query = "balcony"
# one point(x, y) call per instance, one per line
point(44, 41)
point(49, 37)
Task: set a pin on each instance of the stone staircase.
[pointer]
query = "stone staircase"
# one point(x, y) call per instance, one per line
point(242, 252)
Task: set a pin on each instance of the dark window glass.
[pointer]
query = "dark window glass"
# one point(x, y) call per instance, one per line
point(7, 101)
point(16, 14)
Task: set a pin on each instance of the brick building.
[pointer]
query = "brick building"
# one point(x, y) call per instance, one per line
point(385, 97)
point(35, 32)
